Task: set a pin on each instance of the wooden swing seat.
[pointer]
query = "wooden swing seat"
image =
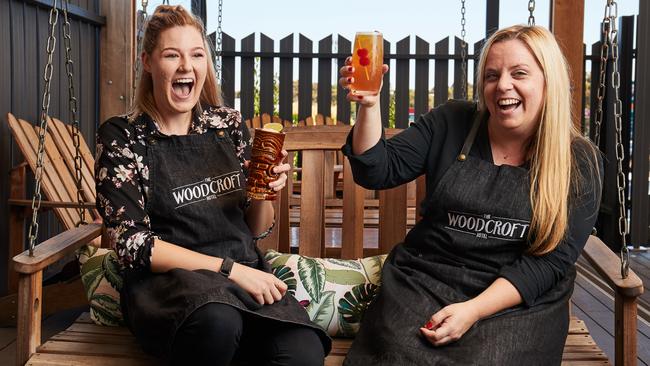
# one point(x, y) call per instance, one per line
point(84, 343)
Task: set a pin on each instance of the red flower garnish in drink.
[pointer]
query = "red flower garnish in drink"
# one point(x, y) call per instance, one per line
point(364, 61)
point(362, 52)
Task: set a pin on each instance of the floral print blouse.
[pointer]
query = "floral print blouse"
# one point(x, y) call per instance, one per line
point(122, 176)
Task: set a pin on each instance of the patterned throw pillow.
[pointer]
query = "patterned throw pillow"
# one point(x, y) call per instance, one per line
point(101, 277)
point(334, 292)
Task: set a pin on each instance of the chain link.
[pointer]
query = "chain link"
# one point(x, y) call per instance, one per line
point(219, 41)
point(610, 39)
point(72, 101)
point(45, 107)
point(463, 51)
point(137, 64)
point(531, 11)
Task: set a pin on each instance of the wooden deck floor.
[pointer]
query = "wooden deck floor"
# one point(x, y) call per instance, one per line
point(591, 304)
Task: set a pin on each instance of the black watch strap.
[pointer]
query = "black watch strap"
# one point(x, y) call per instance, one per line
point(226, 266)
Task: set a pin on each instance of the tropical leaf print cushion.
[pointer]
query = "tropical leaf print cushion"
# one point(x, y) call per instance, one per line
point(102, 280)
point(334, 292)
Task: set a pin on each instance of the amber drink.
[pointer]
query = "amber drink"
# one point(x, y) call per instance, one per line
point(367, 60)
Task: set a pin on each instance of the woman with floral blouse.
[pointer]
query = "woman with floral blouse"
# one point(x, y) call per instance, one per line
point(170, 187)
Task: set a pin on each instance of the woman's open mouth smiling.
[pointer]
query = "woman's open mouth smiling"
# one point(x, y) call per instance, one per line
point(508, 104)
point(182, 88)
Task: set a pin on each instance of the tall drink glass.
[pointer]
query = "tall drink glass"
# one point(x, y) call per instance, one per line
point(367, 60)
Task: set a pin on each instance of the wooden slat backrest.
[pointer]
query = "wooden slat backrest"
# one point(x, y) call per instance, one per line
point(314, 142)
point(27, 140)
point(68, 187)
point(62, 138)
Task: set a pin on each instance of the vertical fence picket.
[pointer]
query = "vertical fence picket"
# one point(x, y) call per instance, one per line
point(491, 17)
point(384, 97)
point(305, 79)
point(266, 76)
point(440, 89)
point(286, 80)
point(228, 70)
point(478, 48)
point(421, 103)
point(247, 93)
point(458, 70)
point(595, 67)
point(402, 85)
point(342, 104)
point(325, 77)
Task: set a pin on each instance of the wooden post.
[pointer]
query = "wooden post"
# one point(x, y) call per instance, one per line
point(16, 223)
point(117, 54)
point(29, 316)
point(567, 24)
point(625, 330)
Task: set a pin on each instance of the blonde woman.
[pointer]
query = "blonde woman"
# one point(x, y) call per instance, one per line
point(170, 188)
point(513, 190)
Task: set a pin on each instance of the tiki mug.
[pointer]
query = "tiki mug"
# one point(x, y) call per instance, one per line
point(266, 153)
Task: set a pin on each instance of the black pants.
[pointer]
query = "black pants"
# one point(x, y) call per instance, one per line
point(218, 334)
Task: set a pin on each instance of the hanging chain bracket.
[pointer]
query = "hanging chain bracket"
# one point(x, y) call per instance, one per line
point(463, 51)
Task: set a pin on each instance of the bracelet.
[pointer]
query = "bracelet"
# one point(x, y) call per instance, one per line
point(226, 266)
point(265, 233)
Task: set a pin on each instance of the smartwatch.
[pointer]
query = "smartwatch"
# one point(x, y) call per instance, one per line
point(226, 266)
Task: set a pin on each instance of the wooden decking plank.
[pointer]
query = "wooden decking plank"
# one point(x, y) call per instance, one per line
point(89, 349)
point(53, 359)
point(70, 336)
point(98, 329)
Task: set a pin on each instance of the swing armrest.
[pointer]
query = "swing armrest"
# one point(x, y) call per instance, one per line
point(48, 204)
point(608, 266)
point(56, 248)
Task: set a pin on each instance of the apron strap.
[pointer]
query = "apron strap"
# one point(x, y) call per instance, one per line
point(469, 141)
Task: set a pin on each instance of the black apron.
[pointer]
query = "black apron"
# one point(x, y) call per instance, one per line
point(196, 200)
point(476, 221)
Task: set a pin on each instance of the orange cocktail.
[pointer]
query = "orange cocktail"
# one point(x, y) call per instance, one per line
point(367, 59)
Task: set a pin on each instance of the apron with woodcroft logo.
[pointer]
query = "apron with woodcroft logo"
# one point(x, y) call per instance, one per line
point(475, 222)
point(196, 200)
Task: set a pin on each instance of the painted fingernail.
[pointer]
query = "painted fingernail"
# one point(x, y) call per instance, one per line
point(360, 97)
point(349, 80)
point(428, 325)
point(350, 68)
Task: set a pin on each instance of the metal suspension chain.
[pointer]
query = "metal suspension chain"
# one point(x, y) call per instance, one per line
point(531, 10)
point(72, 101)
point(142, 17)
point(610, 39)
point(600, 93)
point(463, 51)
point(612, 8)
point(45, 107)
point(219, 41)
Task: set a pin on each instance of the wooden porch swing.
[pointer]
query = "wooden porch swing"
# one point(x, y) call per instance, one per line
point(57, 169)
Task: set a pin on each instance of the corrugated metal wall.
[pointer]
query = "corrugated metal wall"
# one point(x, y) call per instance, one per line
point(23, 39)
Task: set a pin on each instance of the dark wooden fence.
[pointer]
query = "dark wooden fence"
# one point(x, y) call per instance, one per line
point(276, 94)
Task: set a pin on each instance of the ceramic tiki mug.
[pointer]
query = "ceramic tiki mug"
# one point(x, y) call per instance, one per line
point(266, 153)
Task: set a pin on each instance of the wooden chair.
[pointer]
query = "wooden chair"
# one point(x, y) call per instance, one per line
point(84, 343)
point(58, 185)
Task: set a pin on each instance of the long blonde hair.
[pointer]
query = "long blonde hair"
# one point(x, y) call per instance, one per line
point(553, 168)
point(163, 18)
